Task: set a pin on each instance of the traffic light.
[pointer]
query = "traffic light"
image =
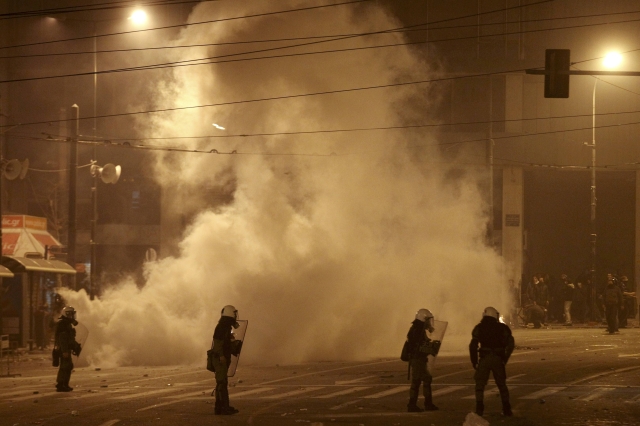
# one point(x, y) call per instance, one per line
point(556, 76)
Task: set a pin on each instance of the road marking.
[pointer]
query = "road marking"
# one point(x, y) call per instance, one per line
point(162, 404)
point(388, 392)
point(447, 390)
point(544, 392)
point(110, 422)
point(188, 395)
point(32, 396)
point(329, 371)
point(594, 394)
point(337, 407)
point(516, 376)
point(250, 392)
point(627, 355)
point(604, 373)
point(293, 393)
point(94, 394)
point(143, 394)
point(490, 392)
point(635, 399)
point(343, 392)
point(348, 382)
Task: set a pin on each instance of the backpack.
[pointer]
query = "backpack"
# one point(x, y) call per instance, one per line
point(406, 351)
point(210, 366)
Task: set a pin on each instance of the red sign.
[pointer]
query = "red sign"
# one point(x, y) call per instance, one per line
point(24, 221)
point(9, 242)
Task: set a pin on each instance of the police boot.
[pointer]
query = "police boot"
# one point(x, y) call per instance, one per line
point(479, 408)
point(428, 404)
point(61, 388)
point(412, 406)
point(218, 407)
point(226, 408)
point(506, 409)
point(67, 387)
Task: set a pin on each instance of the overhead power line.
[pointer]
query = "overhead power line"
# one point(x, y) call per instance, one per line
point(212, 59)
point(96, 7)
point(325, 36)
point(279, 12)
point(352, 130)
point(128, 145)
point(256, 15)
point(276, 98)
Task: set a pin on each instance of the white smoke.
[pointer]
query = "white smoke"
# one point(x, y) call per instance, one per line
point(327, 256)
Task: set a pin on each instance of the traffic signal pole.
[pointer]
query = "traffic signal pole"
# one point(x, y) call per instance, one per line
point(556, 85)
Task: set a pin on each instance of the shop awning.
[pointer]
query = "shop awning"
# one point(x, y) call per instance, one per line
point(23, 234)
point(23, 264)
point(5, 273)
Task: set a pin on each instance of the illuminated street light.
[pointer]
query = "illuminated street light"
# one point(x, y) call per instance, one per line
point(612, 60)
point(138, 17)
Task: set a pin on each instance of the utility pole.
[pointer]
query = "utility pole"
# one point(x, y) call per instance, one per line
point(557, 73)
point(74, 125)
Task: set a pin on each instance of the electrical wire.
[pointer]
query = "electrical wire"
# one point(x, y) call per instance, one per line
point(209, 60)
point(135, 50)
point(129, 145)
point(329, 131)
point(96, 7)
point(188, 24)
point(275, 98)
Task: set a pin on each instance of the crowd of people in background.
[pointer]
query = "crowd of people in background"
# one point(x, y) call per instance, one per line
point(566, 301)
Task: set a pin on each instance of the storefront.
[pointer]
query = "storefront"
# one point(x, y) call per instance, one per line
point(30, 281)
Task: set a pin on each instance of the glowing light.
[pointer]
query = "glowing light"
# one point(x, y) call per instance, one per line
point(138, 17)
point(218, 126)
point(612, 60)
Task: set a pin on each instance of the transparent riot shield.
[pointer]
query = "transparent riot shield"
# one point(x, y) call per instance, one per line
point(82, 333)
point(439, 329)
point(237, 340)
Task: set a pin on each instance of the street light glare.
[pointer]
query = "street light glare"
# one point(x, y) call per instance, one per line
point(138, 17)
point(612, 60)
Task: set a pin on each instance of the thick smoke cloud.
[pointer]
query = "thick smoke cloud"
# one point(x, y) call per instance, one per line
point(327, 256)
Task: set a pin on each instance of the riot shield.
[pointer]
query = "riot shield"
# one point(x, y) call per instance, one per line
point(82, 333)
point(237, 340)
point(439, 329)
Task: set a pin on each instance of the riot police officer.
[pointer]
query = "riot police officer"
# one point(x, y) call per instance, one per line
point(419, 347)
point(222, 350)
point(65, 346)
point(496, 345)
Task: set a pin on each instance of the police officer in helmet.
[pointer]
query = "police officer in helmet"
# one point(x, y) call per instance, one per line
point(222, 349)
point(496, 344)
point(65, 346)
point(419, 348)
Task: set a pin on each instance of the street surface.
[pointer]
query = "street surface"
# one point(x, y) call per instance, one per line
point(575, 376)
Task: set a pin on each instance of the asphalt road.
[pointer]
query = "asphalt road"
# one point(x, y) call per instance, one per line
point(579, 376)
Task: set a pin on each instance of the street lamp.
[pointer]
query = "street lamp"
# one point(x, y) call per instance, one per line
point(611, 60)
point(138, 18)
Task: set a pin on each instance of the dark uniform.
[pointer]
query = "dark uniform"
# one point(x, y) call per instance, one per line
point(496, 345)
point(613, 301)
point(222, 350)
point(419, 348)
point(66, 345)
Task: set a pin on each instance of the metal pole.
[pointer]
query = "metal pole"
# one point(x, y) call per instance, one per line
point(73, 168)
point(95, 81)
point(1, 176)
point(489, 149)
point(94, 219)
point(594, 305)
point(93, 281)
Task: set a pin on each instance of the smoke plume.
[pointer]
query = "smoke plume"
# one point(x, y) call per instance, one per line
point(328, 243)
